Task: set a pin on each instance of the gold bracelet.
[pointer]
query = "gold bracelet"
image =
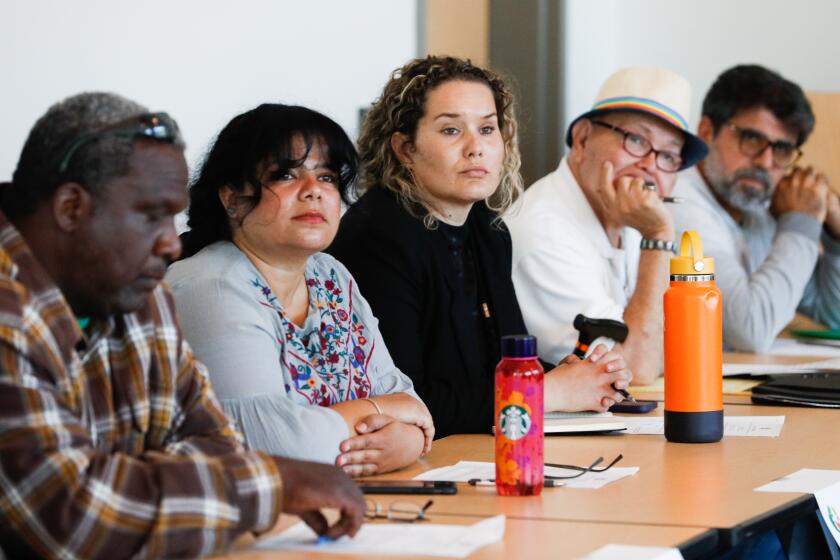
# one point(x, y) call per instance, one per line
point(375, 405)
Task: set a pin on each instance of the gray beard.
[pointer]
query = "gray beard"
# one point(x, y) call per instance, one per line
point(743, 198)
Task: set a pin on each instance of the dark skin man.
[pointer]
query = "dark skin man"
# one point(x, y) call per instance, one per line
point(107, 251)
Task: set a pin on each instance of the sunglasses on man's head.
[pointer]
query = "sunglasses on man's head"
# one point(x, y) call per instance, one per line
point(158, 126)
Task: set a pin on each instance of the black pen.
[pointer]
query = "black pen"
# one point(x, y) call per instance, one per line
point(624, 393)
point(547, 483)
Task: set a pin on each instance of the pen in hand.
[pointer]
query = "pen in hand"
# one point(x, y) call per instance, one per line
point(668, 199)
point(625, 393)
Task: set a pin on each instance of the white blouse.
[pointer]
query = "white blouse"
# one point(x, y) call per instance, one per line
point(276, 380)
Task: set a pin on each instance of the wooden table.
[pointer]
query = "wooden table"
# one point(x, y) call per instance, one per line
point(699, 498)
point(678, 485)
point(534, 539)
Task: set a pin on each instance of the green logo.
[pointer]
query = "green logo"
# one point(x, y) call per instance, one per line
point(514, 421)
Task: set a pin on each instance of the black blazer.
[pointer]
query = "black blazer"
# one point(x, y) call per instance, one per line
point(403, 270)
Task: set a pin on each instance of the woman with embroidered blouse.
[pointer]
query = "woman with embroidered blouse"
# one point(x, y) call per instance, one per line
point(292, 348)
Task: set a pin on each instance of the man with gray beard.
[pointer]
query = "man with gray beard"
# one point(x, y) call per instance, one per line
point(761, 217)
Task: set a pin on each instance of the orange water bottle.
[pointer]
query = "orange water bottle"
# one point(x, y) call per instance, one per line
point(693, 347)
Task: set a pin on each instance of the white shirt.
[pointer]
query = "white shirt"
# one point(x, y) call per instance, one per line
point(564, 264)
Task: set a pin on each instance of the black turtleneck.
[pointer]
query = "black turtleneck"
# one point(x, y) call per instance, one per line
point(427, 287)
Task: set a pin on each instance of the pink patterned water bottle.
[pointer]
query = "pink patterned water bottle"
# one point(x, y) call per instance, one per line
point(519, 418)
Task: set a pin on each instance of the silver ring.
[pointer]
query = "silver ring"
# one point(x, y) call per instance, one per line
point(649, 186)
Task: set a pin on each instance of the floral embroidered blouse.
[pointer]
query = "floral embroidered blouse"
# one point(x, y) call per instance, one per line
point(276, 379)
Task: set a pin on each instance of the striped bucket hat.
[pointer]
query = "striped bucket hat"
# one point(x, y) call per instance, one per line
point(653, 91)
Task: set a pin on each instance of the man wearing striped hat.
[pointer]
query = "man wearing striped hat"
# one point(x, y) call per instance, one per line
point(594, 236)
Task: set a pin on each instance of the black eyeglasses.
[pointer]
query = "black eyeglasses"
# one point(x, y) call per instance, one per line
point(583, 470)
point(638, 146)
point(752, 143)
point(408, 512)
point(159, 126)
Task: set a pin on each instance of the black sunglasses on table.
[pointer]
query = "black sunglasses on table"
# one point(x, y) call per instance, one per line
point(582, 470)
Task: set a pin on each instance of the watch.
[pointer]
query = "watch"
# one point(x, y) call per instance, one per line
point(658, 245)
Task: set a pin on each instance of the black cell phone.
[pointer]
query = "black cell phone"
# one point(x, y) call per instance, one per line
point(407, 487)
point(637, 407)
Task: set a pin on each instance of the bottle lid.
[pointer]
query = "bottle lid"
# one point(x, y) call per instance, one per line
point(519, 346)
point(690, 261)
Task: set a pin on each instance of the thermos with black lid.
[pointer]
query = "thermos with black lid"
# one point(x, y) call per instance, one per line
point(693, 347)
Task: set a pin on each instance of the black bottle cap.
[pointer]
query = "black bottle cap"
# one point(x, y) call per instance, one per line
point(519, 346)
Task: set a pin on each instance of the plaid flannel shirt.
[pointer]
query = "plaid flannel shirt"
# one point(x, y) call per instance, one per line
point(114, 445)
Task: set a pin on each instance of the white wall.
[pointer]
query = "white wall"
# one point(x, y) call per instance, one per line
point(698, 40)
point(203, 61)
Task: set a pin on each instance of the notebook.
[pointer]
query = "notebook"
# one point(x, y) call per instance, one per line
point(558, 423)
point(823, 334)
point(820, 337)
point(597, 423)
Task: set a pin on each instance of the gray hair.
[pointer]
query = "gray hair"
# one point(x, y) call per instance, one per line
point(93, 165)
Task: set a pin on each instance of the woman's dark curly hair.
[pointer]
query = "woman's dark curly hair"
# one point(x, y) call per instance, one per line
point(403, 103)
point(249, 144)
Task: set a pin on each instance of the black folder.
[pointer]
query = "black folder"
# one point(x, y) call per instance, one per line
point(800, 389)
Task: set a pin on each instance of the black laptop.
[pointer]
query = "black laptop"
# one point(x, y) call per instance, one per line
point(800, 389)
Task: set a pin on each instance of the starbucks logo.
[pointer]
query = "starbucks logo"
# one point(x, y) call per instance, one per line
point(514, 421)
point(834, 518)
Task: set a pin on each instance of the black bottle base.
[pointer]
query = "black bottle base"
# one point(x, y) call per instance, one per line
point(694, 427)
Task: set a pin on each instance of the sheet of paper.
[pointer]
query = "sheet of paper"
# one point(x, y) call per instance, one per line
point(756, 426)
point(404, 539)
point(806, 481)
point(658, 386)
point(632, 552)
point(828, 500)
point(792, 347)
point(778, 369)
point(645, 425)
point(463, 471)
point(740, 387)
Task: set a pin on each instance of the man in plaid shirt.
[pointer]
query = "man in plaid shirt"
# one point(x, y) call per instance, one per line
point(112, 443)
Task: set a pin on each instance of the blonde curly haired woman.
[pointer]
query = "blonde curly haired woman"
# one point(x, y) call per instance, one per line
point(425, 242)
